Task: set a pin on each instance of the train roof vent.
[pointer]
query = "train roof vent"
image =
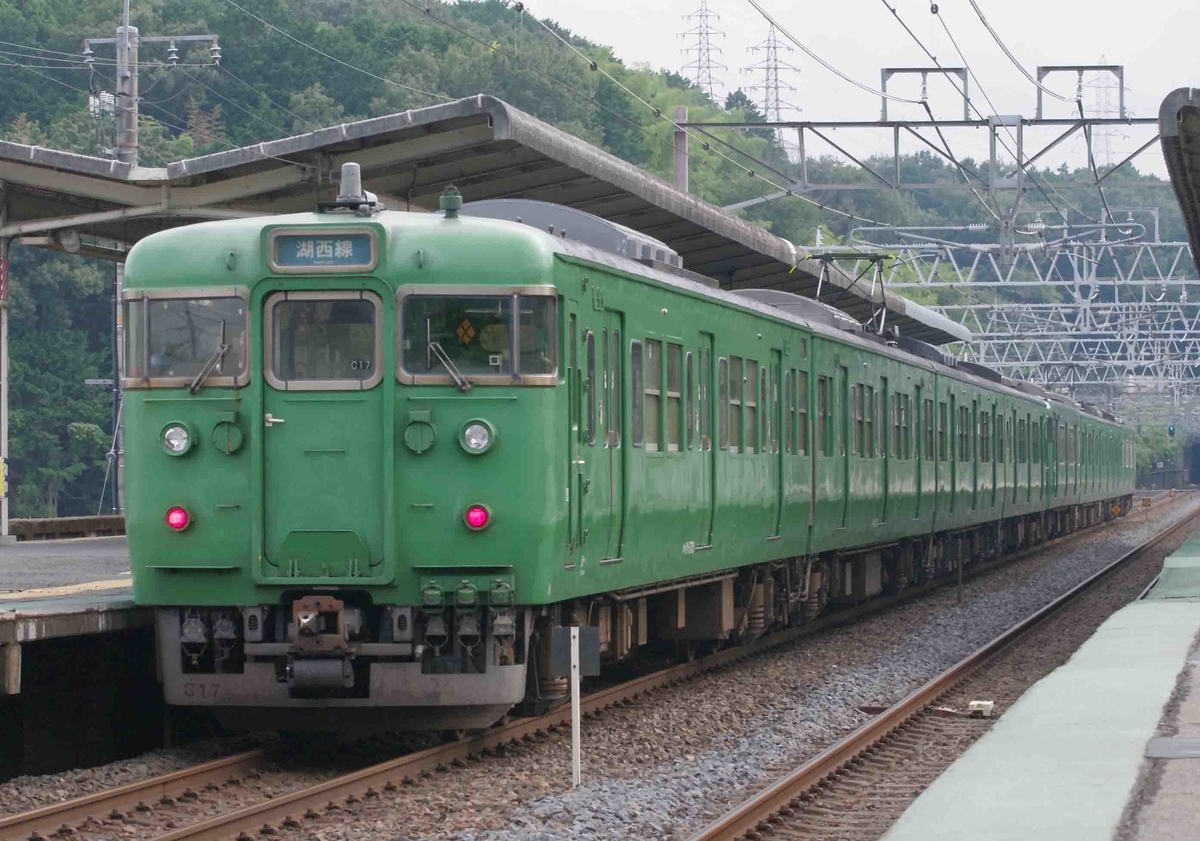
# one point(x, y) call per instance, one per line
point(923, 349)
point(981, 371)
point(803, 307)
point(577, 225)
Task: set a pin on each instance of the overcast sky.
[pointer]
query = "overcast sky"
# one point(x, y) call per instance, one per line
point(1153, 39)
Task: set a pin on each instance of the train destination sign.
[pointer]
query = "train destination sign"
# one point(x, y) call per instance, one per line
point(329, 250)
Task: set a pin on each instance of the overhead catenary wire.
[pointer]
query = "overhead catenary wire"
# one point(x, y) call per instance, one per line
point(963, 58)
point(1011, 57)
point(686, 130)
point(808, 52)
point(335, 59)
point(251, 87)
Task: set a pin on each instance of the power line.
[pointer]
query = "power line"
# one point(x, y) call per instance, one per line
point(282, 131)
point(1011, 57)
point(826, 64)
point(658, 113)
point(246, 84)
point(962, 57)
point(320, 52)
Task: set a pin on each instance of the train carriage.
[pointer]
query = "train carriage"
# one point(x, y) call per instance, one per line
point(375, 457)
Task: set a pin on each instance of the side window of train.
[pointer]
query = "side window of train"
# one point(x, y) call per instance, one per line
point(857, 420)
point(869, 419)
point(985, 421)
point(750, 407)
point(590, 387)
point(927, 425)
point(614, 387)
point(635, 391)
point(653, 393)
point(674, 407)
point(705, 400)
point(789, 413)
point(802, 412)
point(735, 404)
point(690, 401)
point(941, 431)
point(823, 428)
point(906, 424)
point(723, 403)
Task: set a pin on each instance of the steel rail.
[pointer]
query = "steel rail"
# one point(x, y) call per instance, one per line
point(49, 820)
point(74, 812)
point(756, 813)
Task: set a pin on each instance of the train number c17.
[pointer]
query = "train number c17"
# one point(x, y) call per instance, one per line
point(199, 691)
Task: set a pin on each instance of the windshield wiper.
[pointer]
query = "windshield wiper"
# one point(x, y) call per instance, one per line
point(212, 364)
point(437, 350)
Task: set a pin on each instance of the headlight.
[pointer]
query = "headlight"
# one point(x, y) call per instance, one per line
point(176, 439)
point(477, 436)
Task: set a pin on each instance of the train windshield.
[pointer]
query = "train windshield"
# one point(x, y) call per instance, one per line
point(481, 335)
point(174, 338)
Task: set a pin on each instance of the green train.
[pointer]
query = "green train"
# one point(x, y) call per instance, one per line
point(374, 458)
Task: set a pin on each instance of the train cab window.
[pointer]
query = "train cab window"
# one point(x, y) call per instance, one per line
point(736, 385)
point(802, 412)
point(689, 413)
point(674, 396)
point(487, 339)
point(323, 340)
point(170, 341)
point(750, 407)
point(723, 403)
point(635, 390)
point(653, 392)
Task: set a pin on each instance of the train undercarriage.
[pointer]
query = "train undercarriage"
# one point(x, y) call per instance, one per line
point(336, 661)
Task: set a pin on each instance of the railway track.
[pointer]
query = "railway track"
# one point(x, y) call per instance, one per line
point(857, 787)
point(103, 813)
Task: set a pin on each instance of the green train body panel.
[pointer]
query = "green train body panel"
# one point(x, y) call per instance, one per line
point(596, 482)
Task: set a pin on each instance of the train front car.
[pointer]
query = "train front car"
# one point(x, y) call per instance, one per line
point(331, 500)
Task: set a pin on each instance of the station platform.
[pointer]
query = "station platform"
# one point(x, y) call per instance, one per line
point(1105, 747)
point(62, 588)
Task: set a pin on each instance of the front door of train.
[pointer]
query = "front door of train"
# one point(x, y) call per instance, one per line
point(327, 460)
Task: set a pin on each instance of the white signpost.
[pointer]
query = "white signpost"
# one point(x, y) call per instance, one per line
point(575, 725)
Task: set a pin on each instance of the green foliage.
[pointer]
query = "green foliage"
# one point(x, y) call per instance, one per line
point(1155, 445)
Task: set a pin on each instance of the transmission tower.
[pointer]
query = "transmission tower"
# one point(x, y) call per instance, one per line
point(1102, 86)
point(769, 69)
point(700, 38)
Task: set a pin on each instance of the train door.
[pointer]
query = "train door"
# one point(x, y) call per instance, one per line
point(843, 416)
point(1014, 452)
point(973, 435)
point(601, 496)
point(327, 464)
point(707, 484)
point(575, 432)
point(611, 428)
point(774, 413)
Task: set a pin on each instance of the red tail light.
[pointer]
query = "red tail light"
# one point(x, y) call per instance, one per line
point(178, 518)
point(477, 517)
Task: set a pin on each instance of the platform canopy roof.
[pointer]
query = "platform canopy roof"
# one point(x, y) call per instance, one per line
point(1179, 129)
point(485, 147)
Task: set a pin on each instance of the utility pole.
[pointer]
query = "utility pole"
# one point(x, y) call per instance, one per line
point(127, 42)
point(4, 242)
point(703, 65)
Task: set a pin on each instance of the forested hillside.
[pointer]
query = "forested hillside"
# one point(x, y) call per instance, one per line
point(270, 85)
